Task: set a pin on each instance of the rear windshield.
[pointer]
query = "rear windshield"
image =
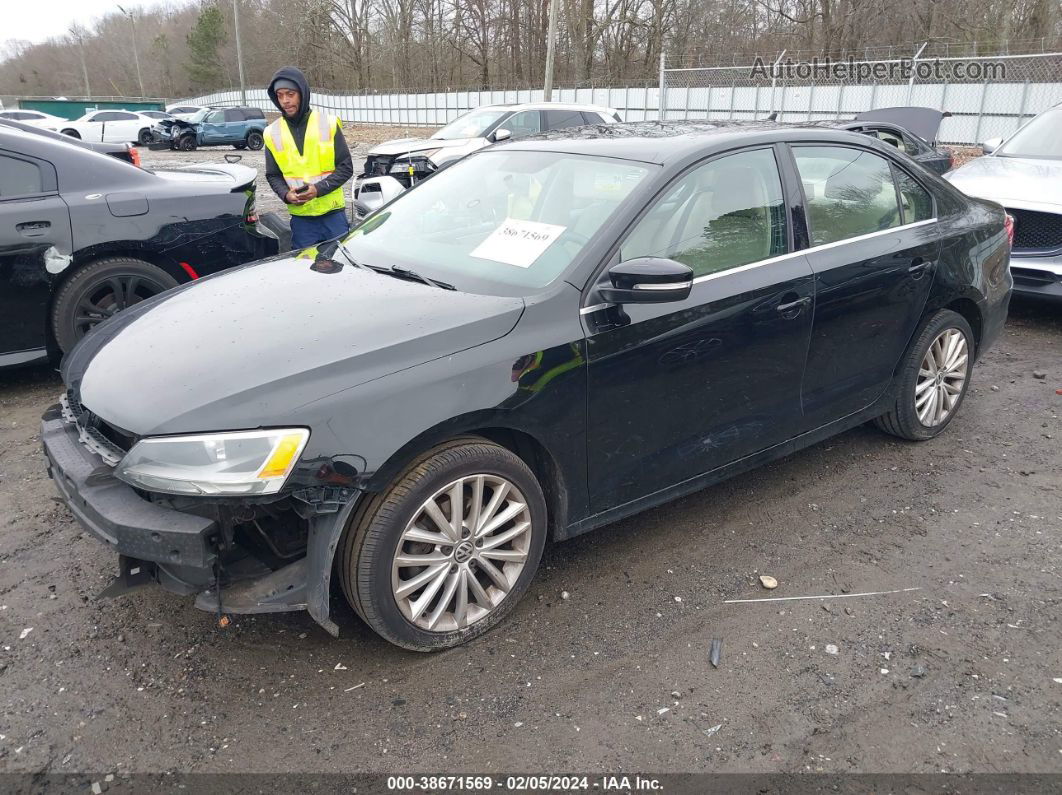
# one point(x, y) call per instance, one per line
point(1038, 138)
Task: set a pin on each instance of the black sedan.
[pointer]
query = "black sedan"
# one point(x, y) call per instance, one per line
point(546, 337)
point(83, 236)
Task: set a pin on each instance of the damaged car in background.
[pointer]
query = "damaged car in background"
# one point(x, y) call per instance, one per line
point(395, 166)
point(503, 355)
point(84, 235)
point(240, 128)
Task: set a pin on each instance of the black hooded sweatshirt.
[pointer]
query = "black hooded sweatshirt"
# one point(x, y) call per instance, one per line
point(344, 169)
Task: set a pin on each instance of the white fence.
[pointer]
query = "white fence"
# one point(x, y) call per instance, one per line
point(979, 110)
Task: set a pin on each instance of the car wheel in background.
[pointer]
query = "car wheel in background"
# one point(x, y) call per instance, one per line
point(254, 140)
point(144, 138)
point(100, 290)
point(186, 143)
point(933, 378)
point(72, 133)
point(445, 552)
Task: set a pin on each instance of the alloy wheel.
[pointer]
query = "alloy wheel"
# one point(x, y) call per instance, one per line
point(109, 297)
point(941, 377)
point(462, 553)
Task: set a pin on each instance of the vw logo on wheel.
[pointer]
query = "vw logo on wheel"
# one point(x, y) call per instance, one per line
point(463, 553)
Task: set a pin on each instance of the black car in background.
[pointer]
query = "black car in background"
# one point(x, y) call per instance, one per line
point(126, 152)
point(912, 130)
point(83, 236)
point(548, 336)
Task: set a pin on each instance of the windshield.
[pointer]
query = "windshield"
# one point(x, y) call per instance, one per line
point(471, 125)
point(507, 225)
point(1042, 137)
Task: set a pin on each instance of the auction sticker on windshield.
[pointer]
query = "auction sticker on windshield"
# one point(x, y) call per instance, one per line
point(518, 242)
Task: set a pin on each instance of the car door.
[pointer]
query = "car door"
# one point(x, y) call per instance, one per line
point(234, 126)
point(678, 389)
point(213, 127)
point(123, 127)
point(34, 242)
point(91, 127)
point(874, 250)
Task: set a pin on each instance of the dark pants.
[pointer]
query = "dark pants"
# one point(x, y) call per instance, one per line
point(308, 230)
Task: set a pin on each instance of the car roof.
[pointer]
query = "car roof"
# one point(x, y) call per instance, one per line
point(546, 106)
point(671, 141)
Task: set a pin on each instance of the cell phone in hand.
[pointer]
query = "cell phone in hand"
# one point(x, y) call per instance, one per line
point(303, 189)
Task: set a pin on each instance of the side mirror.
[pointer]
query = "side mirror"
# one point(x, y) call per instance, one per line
point(648, 280)
point(991, 145)
point(501, 134)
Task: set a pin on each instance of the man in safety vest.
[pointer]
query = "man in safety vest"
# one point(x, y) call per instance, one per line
point(307, 161)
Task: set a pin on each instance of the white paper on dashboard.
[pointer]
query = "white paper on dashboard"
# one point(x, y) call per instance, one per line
point(518, 242)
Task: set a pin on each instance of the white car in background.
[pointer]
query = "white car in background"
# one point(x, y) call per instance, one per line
point(109, 126)
point(34, 118)
point(395, 166)
point(183, 111)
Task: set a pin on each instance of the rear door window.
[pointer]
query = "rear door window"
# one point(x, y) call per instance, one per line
point(559, 119)
point(19, 178)
point(915, 201)
point(233, 114)
point(849, 192)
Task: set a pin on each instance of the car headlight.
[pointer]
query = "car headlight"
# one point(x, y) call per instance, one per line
point(222, 464)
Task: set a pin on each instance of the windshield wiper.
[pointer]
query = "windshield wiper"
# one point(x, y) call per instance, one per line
point(406, 273)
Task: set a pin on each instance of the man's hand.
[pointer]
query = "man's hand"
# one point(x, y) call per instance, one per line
point(294, 197)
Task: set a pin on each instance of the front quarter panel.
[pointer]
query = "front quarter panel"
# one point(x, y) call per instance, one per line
point(532, 382)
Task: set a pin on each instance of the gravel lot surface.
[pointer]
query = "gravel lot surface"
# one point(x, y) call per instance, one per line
point(959, 675)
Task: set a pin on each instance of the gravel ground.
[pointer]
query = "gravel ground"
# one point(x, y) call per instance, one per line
point(359, 138)
point(964, 673)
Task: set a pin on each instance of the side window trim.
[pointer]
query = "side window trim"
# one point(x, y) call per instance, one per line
point(612, 257)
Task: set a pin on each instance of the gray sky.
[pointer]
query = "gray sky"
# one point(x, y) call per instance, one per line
point(37, 20)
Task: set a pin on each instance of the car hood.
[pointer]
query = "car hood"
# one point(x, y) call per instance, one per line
point(923, 122)
point(247, 347)
point(1011, 181)
point(401, 146)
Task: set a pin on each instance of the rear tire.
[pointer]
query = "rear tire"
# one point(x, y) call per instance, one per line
point(100, 290)
point(374, 559)
point(254, 140)
point(933, 378)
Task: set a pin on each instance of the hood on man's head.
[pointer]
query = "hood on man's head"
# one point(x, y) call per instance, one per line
point(294, 75)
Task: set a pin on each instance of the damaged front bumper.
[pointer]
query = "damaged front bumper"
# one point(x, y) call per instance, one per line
point(211, 552)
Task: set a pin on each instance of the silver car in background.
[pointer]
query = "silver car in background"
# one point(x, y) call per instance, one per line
point(395, 166)
point(1024, 174)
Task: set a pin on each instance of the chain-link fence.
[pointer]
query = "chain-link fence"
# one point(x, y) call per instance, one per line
point(986, 96)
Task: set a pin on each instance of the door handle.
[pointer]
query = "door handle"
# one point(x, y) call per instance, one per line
point(791, 309)
point(920, 268)
point(33, 228)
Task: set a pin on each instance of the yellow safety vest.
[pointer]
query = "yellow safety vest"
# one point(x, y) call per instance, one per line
point(317, 161)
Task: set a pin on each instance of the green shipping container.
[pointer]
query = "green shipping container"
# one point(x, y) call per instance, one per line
point(76, 108)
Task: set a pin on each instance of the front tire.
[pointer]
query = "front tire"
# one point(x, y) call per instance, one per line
point(186, 143)
point(72, 134)
point(934, 377)
point(427, 577)
point(144, 138)
point(100, 290)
